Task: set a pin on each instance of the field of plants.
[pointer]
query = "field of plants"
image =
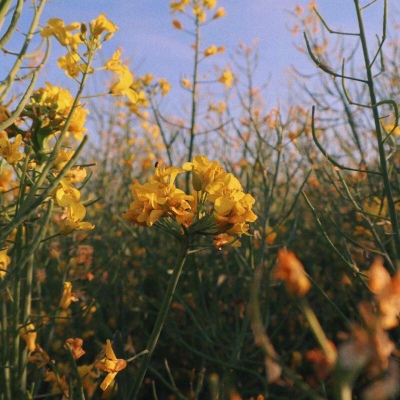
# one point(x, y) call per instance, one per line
point(229, 249)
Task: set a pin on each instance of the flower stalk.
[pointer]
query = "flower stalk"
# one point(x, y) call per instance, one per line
point(162, 315)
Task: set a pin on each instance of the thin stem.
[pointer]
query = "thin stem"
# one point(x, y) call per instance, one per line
point(162, 316)
point(194, 100)
point(378, 129)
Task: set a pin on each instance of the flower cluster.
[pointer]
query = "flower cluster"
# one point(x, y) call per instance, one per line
point(69, 198)
point(74, 62)
point(218, 206)
point(50, 107)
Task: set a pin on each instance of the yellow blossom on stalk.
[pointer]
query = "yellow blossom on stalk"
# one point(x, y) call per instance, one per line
point(165, 86)
point(51, 106)
point(62, 158)
point(70, 64)
point(226, 78)
point(159, 198)
point(55, 27)
point(4, 263)
point(102, 24)
point(186, 83)
point(177, 24)
point(10, 150)
point(111, 364)
point(123, 86)
point(199, 13)
point(65, 194)
point(219, 207)
point(73, 222)
point(76, 175)
point(213, 49)
point(205, 173)
point(29, 335)
point(290, 270)
point(179, 6)
point(146, 79)
point(220, 13)
point(210, 4)
point(68, 296)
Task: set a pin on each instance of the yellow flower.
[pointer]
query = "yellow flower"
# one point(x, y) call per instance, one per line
point(199, 13)
point(177, 24)
point(146, 79)
point(62, 158)
point(165, 86)
point(4, 262)
point(210, 4)
point(125, 83)
point(51, 106)
point(29, 335)
point(114, 63)
point(111, 364)
point(178, 6)
point(76, 127)
point(68, 297)
point(65, 194)
point(205, 173)
point(291, 271)
point(70, 64)
point(73, 222)
point(62, 33)
point(226, 78)
point(213, 50)
point(76, 175)
point(102, 24)
point(186, 83)
point(219, 108)
point(390, 128)
point(10, 151)
point(159, 198)
point(219, 13)
point(122, 87)
point(5, 179)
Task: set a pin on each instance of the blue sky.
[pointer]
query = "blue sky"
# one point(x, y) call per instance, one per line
point(147, 36)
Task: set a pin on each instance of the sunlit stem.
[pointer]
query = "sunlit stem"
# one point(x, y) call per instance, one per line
point(162, 315)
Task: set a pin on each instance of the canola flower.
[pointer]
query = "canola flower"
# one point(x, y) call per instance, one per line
point(50, 107)
point(111, 364)
point(28, 334)
point(218, 207)
point(76, 62)
point(10, 150)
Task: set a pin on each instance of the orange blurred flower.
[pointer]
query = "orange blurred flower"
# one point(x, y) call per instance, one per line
point(76, 347)
point(291, 271)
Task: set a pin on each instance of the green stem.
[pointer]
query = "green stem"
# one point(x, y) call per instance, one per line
point(381, 149)
point(194, 100)
point(162, 315)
